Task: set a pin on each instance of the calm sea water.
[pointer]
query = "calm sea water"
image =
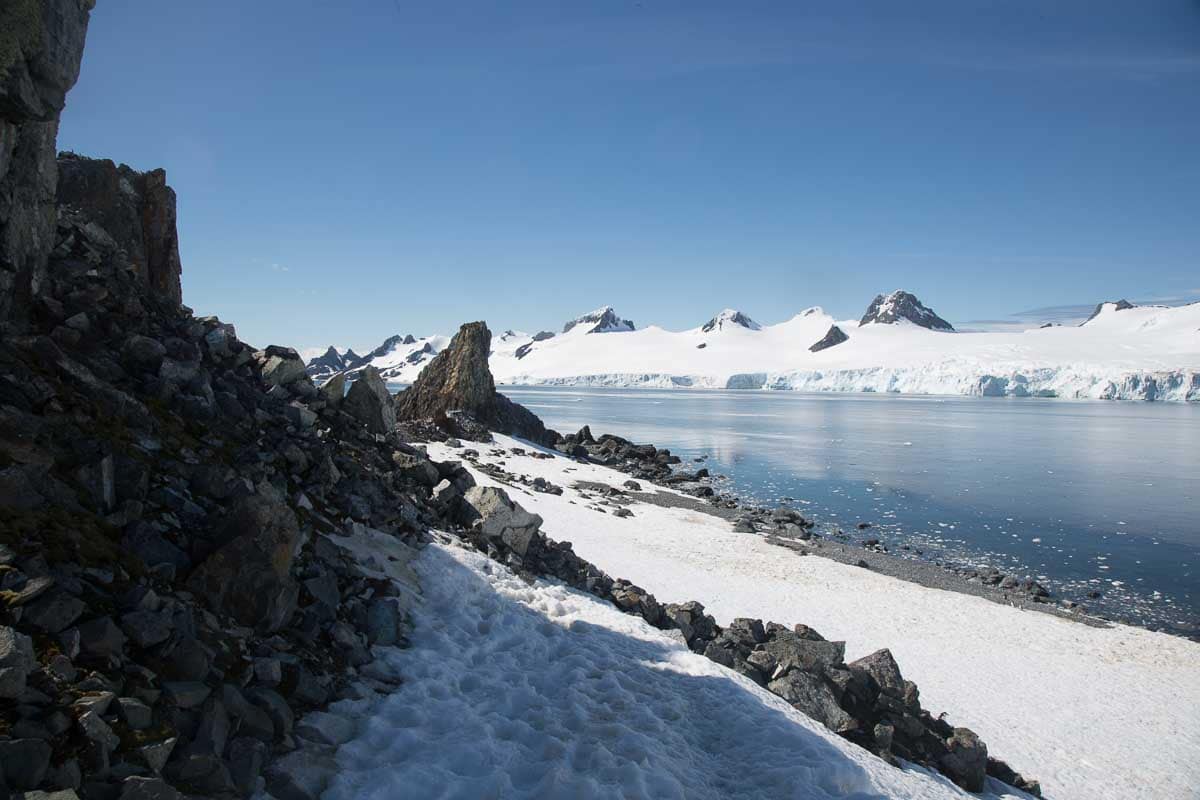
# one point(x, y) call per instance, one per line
point(1086, 496)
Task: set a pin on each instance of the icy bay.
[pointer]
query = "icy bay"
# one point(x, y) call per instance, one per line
point(1088, 497)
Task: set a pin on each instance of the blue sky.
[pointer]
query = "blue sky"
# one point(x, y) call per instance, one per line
point(350, 170)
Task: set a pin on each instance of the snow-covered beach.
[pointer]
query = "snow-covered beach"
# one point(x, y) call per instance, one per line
point(1090, 712)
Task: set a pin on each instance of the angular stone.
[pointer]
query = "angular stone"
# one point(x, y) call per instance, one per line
point(499, 517)
point(156, 755)
point(277, 709)
point(54, 612)
point(101, 638)
point(186, 694)
point(966, 760)
point(98, 731)
point(250, 577)
point(146, 628)
point(383, 620)
point(792, 652)
point(138, 788)
point(810, 695)
point(134, 713)
point(25, 762)
point(246, 759)
point(16, 662)
point(333, 391)
point(369, 402)
point(883, 669)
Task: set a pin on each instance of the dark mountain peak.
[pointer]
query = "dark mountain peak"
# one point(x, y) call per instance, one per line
point(1118, 305)
point(730, 318)
point(891, 308)
point(602, 320)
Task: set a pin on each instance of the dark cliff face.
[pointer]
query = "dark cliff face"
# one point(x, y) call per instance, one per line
point(136, 208)
point(458, 379)
point(41, 44)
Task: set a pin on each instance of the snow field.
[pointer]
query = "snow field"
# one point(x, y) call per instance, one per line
point(1090, 712)
point(518, 691)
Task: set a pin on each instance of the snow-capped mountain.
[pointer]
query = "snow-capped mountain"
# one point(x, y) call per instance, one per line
point(399, 358)
point(900, 305)
point(729, 317)
point(900, 345)
point(602, 320)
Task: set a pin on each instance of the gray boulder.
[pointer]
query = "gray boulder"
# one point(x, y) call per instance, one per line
point(16, 662)
point(498, 517)
point(24, 761)
point(966, 760)
point(369, 402)
point(250, 577)
point(810, 694)
point(883, 670)
point(333, 391)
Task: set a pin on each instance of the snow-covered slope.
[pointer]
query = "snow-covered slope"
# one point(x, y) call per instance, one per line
point(1090, 712)
point(399, 358)
point(1145, 353)
point(518, 690)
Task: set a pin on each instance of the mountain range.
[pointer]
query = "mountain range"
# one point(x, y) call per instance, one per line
point(900, 345)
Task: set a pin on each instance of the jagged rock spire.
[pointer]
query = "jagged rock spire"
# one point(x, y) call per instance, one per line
point(458, 379)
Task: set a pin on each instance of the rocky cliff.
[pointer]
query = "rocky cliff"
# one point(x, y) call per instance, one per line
point(458, 380)
point(136, 208)
point(41, 45)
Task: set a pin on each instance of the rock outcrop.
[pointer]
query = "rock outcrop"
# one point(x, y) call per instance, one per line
point(899, 305)
point(1117, 305)
point(458, 380)
point(834, 336)
point(41, 45)
point(137, 209)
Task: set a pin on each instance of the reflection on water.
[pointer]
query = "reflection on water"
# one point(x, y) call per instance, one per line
point(1090, 496)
